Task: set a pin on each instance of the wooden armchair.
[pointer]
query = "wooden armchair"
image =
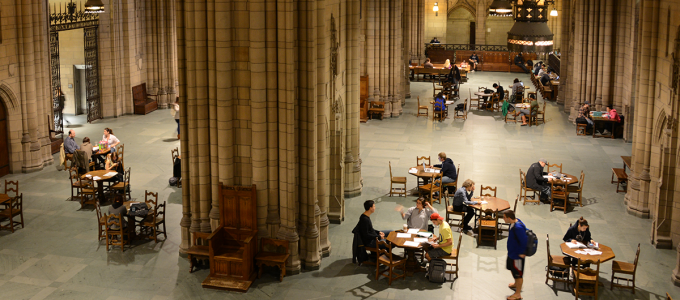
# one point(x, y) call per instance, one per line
point(454, 256)
point(578, 190)
point(454, 218)
point(558, 197)
point(461, 113)
point(557, 270)
point(438, 115)
point(76, 183)
point(385, 257)
point(433, 190)
point(143, 103)
point(273, 253)
point(13, 187)
point(88, 193)
point(488, 228)
point(524, 189)
point(435, 88)
point(420, 108)
point(555, 166)
point(626, 268)
point(540, 116)
point(101, 228)
point(120, 236)
point(152, 223)
point(397, 181)
point(14, 209)
point(199, 248)
point(474, 102)
point(376, 108)
point(586, 279)
point(124, 186)
point(490, 190)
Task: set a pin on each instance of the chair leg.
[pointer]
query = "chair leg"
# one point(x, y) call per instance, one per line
point(191, 264)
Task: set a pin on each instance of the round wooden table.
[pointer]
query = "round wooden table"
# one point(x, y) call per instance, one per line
point(420, 173)
point(412, 264)
point(101, 177)
point(495, 204)
point(570, 179)
point(607, 253)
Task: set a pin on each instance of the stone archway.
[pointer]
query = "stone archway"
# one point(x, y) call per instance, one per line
point(458, 25)
point(10, 156)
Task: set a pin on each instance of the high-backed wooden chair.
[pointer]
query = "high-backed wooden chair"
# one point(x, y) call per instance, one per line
point(76, 183)
point(438, 115)
point(233, 244)
point(399, 181)
point(524, 190)
point(555, 167)
point(116, 233)
point(386, 258)
point(586, 279)
point(420, 108)
point(488, 228)
point(151, 198)
point(577, 190)
point(101, 228)
point(557, 270)
point(474, 101)
point(436, 88)
point(198, 249)
point(153, 222)
point(487, 191)
point(433, 190)
point(461, 113)
point(454, 256)
point(12, 187)
point(273, 253)
point(123, 187)
point(13, 213)
point(492, 102)
point(625, 268)
point(376, 108)
point(120, 149)
point(88, 194)
point(502, 226)
point(540, 116)
point(454, 218)
point(558, 197)
point(423, 159)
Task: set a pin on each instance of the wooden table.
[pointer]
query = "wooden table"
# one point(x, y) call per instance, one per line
point(446, 111)
point(607, 253)
point(421, 173)
point(133, 228)
point(412, 264)
point(627, 161)
point(495, 204)
point(603, 120)
point(571, 179)
point(99, 155)
point(428, 71)
point(555, 86)
point(100, 181)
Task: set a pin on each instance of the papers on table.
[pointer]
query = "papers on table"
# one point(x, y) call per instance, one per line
point(413, 170)
point(484, 202)
point(575, 246)
point(549, 177)
point(450, 102)
point(403, 235)
point(88, 175)
point(413, 230)
point(425, 234)
point(420, 240)
point(96, 178)
point(95, 148)
point(437, 171)
point(589, 252)
point(411, 244)
point(111, 174)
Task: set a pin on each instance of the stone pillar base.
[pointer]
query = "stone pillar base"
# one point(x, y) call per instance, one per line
point(663, 242)
point(637, 213)
point(353, 193)
point(335, 218)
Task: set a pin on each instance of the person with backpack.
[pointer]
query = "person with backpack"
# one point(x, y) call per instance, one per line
point(517, 247)
point(444, 245)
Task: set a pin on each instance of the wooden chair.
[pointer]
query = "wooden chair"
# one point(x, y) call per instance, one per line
point(461, 113)
point(434, 188)
point(581, 129)
point(397, 181)
point(438, 115)
point(502, 226)
point(510, 117)
point(454, 256)
point(493, 101)
point(101, 229)
point(555, 166)
point(153, 222)
point(385, 257)
point(88, 193)
point(540, 116)
point(199, 248)
point(524, 190)
point(76, 183)
point(668, 297)
point(435, 88)
point(124, 186)
point(14, 209)
point(474, 102)
point(627, 269)
point(557, 270)
point(151, 198)
point(621, 179)
point(273, 253)
point(454, 218)
point(490, 189)
point(12, 186)
point(488, 228)
point(558, 192)
point(423, 159)
point(577, 189)
point(422, 107)
point(120, 149)
point(116, 237)
point(376, 108)
point(586, 279)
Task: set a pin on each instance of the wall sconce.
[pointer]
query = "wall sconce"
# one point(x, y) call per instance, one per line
point(94, 6)
point(553, 12)
point(435, 9)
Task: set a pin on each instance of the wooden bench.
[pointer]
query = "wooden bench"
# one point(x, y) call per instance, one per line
point(55, 142)
point(621, 177)
point(273, 253)
point(197, 249)
point(143, 103)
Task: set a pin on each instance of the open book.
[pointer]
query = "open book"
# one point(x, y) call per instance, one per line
point(578, 245)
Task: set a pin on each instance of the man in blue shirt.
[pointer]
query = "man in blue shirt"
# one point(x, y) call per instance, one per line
point(517, 245)
point(70, 144)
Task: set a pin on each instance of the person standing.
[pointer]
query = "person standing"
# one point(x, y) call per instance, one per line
point(517, 245)
point(461, 199)
point(175, 113)
point(536, 181)
point(417, 216)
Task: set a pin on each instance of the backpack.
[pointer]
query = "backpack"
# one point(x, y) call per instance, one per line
point(437, 270)
point(532, 243)
point(173, 181)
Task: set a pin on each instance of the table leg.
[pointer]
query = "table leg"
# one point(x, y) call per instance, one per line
point(412, 264)
point(100, 190)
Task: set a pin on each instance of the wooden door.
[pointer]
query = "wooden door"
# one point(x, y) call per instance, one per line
point(4, 142)
point(472, 35)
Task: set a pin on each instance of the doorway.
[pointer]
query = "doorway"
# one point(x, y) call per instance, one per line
point(459, 22)
point(4, 142)
point(79, 89)
point(472, 35)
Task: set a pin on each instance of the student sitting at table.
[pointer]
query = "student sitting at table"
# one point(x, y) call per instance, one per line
point(612, 115)
point(117, 208)
point(499, 91)
point(113, 163)
point(444, 244)
point(417, 216)
point(448, 170)
point(365, 226)
point(461, 199)
point(474, 59)
point(517, 91)
point(533, 110)
point(439, 102)
point(579, 233)
point(584, 116)
point(87, 147)
point(536, 181)
point(447, 64)
point(110, 139)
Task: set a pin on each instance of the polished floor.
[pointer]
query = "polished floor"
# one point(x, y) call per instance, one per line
point(57, 255)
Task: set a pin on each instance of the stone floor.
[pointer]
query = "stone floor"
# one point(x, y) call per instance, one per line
point(57, 255)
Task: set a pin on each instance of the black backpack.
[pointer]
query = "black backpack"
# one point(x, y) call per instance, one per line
point(532, 242)
point(437, 270)
point(173, 181)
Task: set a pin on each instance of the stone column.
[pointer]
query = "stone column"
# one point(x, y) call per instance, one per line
point(161, 50)
point(351, 159)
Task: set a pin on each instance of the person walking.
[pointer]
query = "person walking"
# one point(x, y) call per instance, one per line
point(175, 113)
point(517, 245)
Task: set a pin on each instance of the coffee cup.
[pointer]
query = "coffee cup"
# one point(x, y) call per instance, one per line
point(405, 227)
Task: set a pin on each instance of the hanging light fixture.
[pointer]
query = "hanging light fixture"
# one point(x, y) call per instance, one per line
point(553, 12)
point(94, 6)
point(500, 8)
point(435, 9)
point(530, 32)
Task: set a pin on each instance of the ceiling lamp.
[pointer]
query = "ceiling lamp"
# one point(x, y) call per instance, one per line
point(530, 32)
point(500, 8)
point(94, 6)
point(435, 9)
point(553, 13)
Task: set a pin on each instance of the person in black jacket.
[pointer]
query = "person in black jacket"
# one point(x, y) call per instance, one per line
point(536, 181)
point(365, 226)
point(519, 61)
point(579, 232)
point(448, 171)
point(499, 91)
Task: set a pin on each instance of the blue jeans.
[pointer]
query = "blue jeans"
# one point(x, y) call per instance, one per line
point(177, 120)
point(372, 243)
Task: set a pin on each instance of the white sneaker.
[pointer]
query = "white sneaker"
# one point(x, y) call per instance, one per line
point(597, 132)
point(606, 132)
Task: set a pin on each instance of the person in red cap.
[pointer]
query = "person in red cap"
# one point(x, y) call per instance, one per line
point(444, 245)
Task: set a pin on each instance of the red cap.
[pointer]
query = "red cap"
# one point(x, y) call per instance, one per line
point(436, 216)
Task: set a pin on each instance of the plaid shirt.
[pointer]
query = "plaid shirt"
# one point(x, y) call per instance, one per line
point(584, 112)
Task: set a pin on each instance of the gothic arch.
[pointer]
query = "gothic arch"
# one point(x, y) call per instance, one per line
point(8, 97)
point(659, 128)
point(465, 6)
